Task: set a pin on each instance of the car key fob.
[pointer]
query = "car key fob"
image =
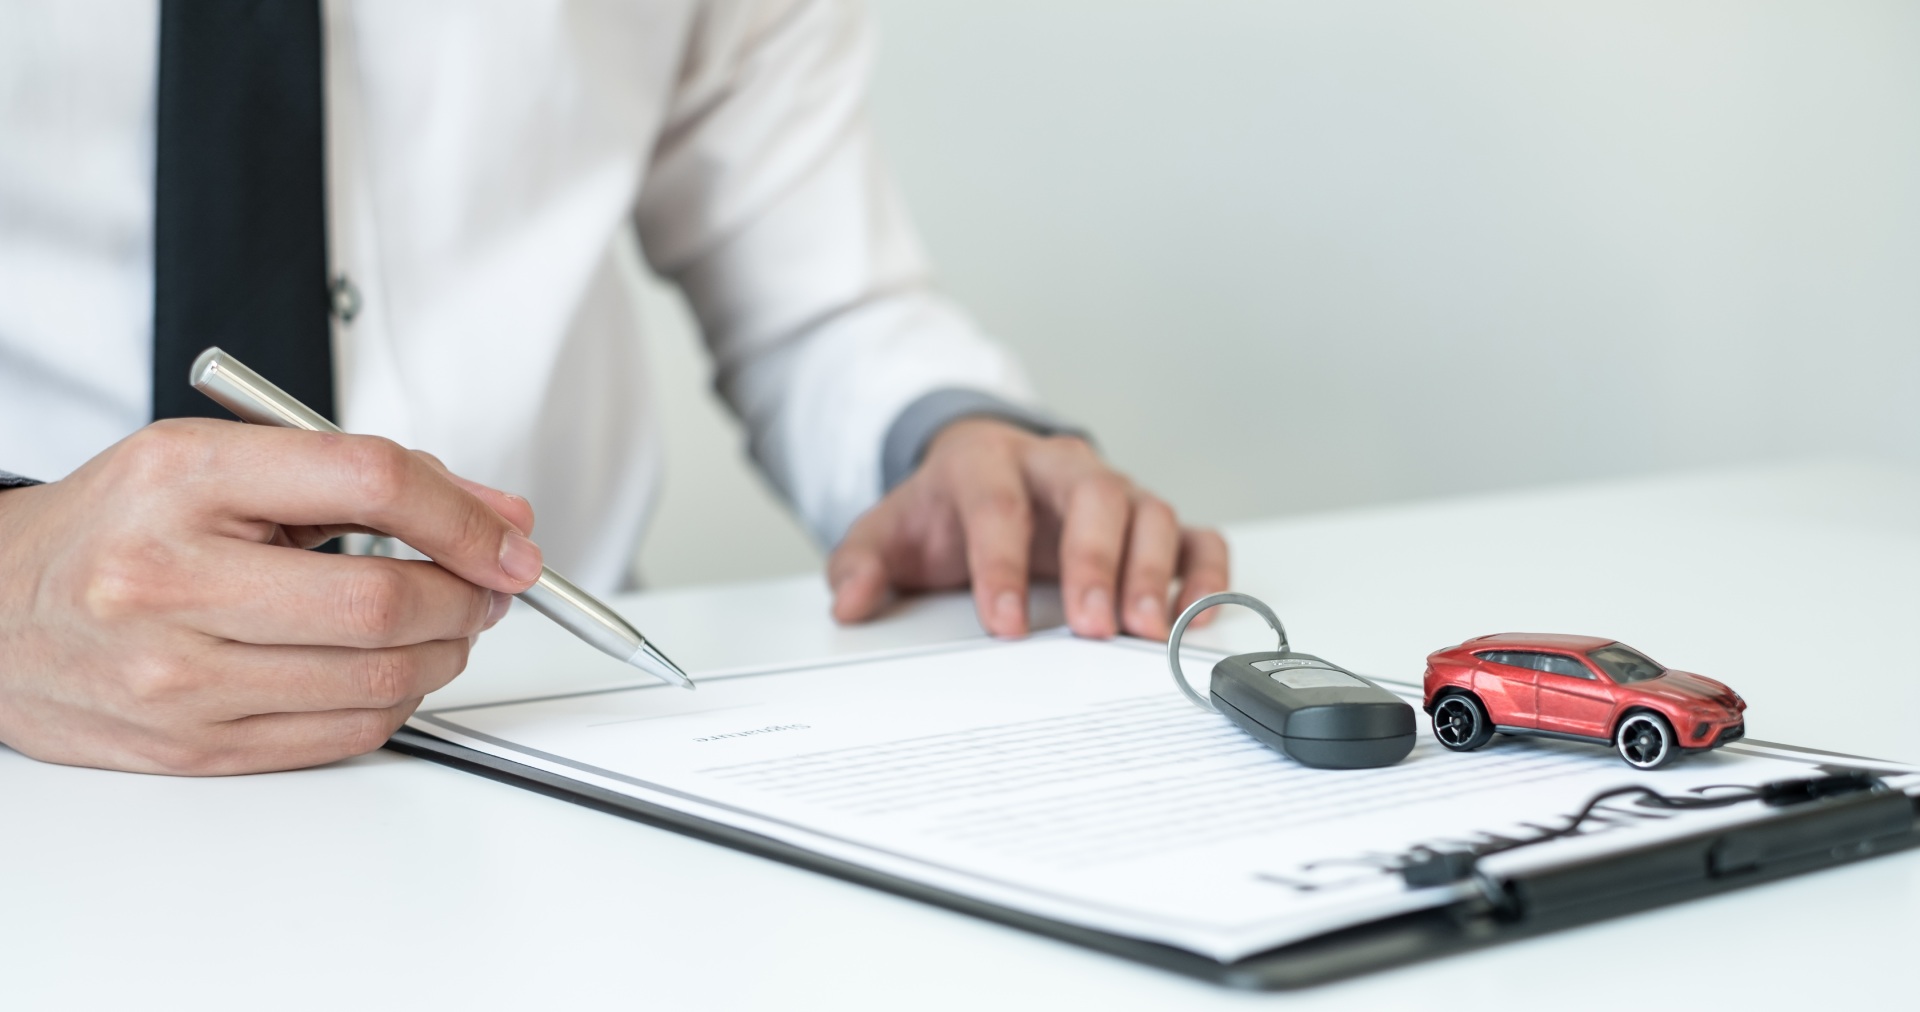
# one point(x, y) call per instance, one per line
point(1317, 712)
point(1310, 709)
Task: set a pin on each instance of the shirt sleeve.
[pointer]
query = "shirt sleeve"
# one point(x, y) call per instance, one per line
point(10, 480)
point(767, 204)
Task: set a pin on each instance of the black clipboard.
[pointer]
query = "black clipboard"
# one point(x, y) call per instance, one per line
point(1807, 837)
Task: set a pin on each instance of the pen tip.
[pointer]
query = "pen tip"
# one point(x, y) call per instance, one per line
point(650, 660)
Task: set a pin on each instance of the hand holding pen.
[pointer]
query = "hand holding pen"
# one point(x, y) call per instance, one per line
point(152, 617)
point(250, 396)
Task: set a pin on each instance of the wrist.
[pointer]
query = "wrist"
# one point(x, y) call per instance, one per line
point(985, 428)
point(911, 437)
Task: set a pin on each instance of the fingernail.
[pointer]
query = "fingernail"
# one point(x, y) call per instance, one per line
point(1147, 605)
point(1096, 611)
point(519, 558)
point(497, 610)
point(1009, 611)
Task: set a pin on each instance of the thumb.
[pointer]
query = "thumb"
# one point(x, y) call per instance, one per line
point(857, 569)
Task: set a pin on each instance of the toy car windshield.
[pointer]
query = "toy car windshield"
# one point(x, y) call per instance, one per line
point(1626, 665)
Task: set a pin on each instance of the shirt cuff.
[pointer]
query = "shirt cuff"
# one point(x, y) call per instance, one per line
point(10, 480)
point(915, 427)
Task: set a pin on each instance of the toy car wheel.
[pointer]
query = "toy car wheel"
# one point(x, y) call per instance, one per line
point(1645, 741)
point(1460, 722)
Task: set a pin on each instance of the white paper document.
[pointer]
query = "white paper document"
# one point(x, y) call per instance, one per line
point(1068, 779)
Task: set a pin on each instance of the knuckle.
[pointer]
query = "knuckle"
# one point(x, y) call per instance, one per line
point(379, 469)
point(1089, 562)
point(1144, 574)
point(1067, 444)
point(1110, 486)
point(454, 659)
point(478, 529)
point(153, 681)
point(1003, 504)
point(996, 564)
point(166, 449)
point(123, 585)
point(183, 757)
point(163, 439)
point(440, 667)
point(479, 609)
point(1086, 550)
point(1214, 545)
point(375, 606)
point(387, 676)
point(1153, 509)
point(367, 730)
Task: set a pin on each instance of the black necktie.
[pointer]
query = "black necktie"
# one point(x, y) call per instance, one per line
point(240, 230)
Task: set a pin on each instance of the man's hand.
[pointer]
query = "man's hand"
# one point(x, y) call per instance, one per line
point(157, 613)
point(998, 504)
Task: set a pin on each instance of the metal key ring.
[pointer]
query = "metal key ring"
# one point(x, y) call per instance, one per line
point(1193, 611)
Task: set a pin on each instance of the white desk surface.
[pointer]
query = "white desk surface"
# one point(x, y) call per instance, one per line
point(388, 881)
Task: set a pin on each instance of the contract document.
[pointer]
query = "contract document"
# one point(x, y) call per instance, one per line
point(1068, 779)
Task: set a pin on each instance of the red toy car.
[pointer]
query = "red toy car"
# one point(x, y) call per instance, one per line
point(1579, 688)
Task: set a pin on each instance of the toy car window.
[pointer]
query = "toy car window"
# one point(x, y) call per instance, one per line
point(1561, 664)
point(1526, 659)
point(1625, 664)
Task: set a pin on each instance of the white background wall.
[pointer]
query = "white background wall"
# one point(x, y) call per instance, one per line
point(1286, 256)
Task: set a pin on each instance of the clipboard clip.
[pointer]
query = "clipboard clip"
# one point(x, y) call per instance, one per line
point(1848, 811)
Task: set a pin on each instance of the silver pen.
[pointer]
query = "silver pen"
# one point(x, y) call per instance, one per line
point(248, 394)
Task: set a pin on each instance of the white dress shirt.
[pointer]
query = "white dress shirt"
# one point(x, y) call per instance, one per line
point(486, 162)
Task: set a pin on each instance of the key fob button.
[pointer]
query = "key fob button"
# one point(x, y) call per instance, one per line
point(1316, 678)
point(1287, 662)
